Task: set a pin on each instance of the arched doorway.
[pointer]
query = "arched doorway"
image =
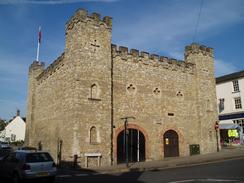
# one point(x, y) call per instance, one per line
point(136, 146)
point(171, 144)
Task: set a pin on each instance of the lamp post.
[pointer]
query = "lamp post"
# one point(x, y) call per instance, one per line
point(216, 126)
point(126, 133)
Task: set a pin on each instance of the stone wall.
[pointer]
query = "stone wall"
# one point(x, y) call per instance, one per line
point(82, 96)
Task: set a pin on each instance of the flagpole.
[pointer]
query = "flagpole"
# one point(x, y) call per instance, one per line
point(38, 44)
point(38, 49)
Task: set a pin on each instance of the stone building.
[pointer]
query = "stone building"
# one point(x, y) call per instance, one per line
point(75, 105)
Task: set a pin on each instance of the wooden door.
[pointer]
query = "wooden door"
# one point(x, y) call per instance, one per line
point(171, 144)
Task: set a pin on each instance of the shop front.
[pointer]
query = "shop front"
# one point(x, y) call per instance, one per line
point(231, 133)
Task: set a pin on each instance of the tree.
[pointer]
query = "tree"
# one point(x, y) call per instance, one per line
point(2, 124)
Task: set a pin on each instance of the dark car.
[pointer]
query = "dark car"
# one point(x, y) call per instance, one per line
point(22, 164)
point(4, 151)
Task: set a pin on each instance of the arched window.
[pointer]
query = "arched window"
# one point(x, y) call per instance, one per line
point(93, 135)
point(94, 91)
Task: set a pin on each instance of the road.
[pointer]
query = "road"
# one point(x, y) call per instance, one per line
point(225, 171)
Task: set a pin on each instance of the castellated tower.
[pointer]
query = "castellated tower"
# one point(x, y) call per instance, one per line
point(203, 59)
point(76, 104)
point(69, 103)
point(35, 69)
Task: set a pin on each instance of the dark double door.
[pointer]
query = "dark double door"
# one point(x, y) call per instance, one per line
point(171, 144)
point(135, 145)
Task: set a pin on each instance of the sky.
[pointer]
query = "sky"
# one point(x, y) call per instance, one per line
point(162, 27)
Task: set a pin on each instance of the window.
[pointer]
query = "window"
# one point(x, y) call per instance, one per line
point(238, 102)
point(13, 137)
point(235, 86)
point(93, 135)
point(38, 157)
point(221, 104)
point(94, 91)
point(131, 88)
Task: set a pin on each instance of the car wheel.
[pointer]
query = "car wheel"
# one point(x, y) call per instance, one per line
point(16, 178)
point(51, 179)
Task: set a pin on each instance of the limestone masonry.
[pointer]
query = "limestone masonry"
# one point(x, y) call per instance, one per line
point(75, 105)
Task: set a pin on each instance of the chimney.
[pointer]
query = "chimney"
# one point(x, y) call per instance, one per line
point(18, 112)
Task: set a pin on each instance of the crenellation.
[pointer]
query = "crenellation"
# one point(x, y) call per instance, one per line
point(108, 21)
point(144, 54)
point(151, 59)
point(36, 65)
point(154, 57)
point(96, 16)
point(134, 52)
point(95, 83)
point(81, 15)
point(123, 50)
point(51, 68)
point(195, 48)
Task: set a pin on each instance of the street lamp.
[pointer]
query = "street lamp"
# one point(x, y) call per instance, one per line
point(126, 133)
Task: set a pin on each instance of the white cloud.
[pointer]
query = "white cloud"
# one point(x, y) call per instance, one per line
point(166, 26)
point(223, 68)
point(50, 1)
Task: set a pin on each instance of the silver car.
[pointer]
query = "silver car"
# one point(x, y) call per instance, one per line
point(22, 164)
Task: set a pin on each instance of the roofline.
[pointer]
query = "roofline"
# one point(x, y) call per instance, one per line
point(229, 77)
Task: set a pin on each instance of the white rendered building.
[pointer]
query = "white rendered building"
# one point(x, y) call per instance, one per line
point(14, 131)
point(230, 100)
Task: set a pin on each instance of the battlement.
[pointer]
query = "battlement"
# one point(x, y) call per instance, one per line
point(53, 67)
point(36, 65)
point(153, 60)
point(81, 15)
point(196, 48)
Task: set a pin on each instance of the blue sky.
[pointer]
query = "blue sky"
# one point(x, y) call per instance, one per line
point(162, 27)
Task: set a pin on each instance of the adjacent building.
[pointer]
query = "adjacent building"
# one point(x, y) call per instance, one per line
point(105, 104)
point(15, 130)
point(230, 99)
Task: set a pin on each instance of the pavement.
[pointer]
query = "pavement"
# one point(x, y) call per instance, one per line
point(174, 162)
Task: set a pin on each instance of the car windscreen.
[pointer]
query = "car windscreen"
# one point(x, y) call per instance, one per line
point(38, 157)
point(4, 152)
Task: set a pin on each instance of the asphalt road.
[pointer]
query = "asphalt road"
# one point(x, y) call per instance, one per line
point(225, 171)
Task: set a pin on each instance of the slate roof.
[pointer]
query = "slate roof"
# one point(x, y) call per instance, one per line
point(230, 77)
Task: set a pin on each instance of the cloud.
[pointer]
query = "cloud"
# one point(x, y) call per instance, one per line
point(50, 1)
point(223, 68)
point(168, 27)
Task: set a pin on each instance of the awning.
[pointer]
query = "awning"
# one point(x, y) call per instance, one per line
point(227, 124)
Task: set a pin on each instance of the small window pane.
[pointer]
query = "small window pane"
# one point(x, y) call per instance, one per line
point(236, 86)
point(238, 103)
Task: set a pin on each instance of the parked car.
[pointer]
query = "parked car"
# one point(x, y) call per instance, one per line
point(4, 151)
point(4, 145)
point(23, 164)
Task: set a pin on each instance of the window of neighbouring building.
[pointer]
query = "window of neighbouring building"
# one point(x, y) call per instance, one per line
point(221, 104)
point(238, 102)
point(236, 86)
point(240, 122)
point(13, 137)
